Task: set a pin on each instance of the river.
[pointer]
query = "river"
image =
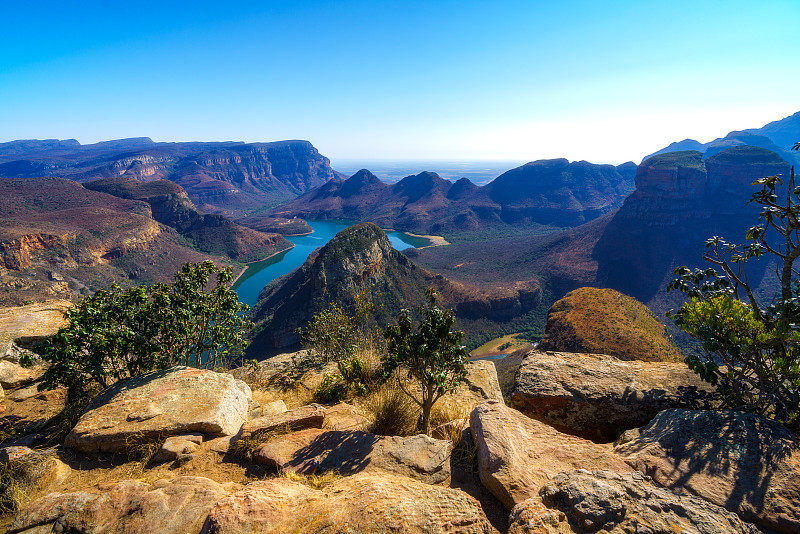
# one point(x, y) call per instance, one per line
point(259, 274)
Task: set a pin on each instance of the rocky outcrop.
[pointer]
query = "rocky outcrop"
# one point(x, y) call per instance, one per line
point(16, 253)
point(178, 506)
point(361, 258)
point(348, 452)
point(173, 401)
point(360, 503)
point(597, 396)
point(30, 324)
point(585, 502)
point(743, 462)
point(680, 201)
point(518, 455)
point(604, 321)
point(311, 416)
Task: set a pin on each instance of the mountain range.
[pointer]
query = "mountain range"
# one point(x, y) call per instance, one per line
point(225, 177)
point(550, 192)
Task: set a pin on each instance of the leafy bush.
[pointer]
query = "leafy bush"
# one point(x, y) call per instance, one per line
point(119, 333)
point(337, 335)
point(431, 355)
point(751, 351)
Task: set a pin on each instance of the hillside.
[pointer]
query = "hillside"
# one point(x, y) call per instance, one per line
point(550, 192)
point(362, 258)
point(212, 234)
point(604, 321)
point(225, 177)
point(59, 239)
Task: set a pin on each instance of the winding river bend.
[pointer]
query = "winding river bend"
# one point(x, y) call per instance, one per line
point(259, 274)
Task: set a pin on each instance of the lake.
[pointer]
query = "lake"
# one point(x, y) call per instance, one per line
point(259, 274)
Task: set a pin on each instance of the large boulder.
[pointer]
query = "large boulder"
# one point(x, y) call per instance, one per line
point(597, 396)
point(178, 400)
point(748, 464)
point(584, 502)
point(517, 455)
point(177, 506)
point(366, 502)
point(13, 375)
point(31, 323)
point(348, 452)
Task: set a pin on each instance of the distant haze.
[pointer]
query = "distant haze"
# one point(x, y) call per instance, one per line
point(478, 172)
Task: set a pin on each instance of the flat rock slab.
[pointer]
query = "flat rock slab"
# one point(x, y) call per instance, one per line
point(584, 502)
point(347, 452)
point(309, 416)
point(366, 502)
point(176, 506)
point(748, 464)
point(343, 416)
point(31, 322)
point(175, 446)
point(13, 375)
point(518, 455)
point(597, 397)
point(178, 400)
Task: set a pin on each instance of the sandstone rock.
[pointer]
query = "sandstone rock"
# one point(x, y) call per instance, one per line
point(273, 408)
point(13, 375)
point(518, 455)
point(596, 396)
point(310, 416)
point(31, 322)
point(174, 446)
point(586, 502)
point(24, 393)
point(366, 502)
point(169, 402)
point(175, 506)
point(480, 383)
point(419, 457)
point(748, 464)
point(14, 452)
point(344, 416)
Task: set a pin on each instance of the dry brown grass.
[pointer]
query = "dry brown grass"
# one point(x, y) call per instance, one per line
point(19, 478)
point(392, 411)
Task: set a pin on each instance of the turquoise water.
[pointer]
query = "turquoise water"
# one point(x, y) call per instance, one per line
point(259, 274)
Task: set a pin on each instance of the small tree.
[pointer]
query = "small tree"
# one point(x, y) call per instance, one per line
point(431, 354)
point(119, 333)
point(750, 351)
point(334, 334)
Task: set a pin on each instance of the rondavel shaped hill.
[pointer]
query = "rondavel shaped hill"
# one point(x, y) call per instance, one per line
point(361, 258)
point(227, 177)
point(554, 192)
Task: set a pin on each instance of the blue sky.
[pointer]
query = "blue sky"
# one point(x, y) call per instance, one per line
point(602, 81)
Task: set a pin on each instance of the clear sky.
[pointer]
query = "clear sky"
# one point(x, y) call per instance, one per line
point(603, 81)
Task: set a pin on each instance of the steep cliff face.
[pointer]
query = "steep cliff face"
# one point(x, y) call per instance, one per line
point(225, 177)
point(680, 201)
point(553, 192)
point(212, 234)
point(361, 258)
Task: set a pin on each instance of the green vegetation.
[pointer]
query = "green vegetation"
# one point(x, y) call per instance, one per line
point(432, 355)
point(119, 333)
point(749, 350)
point(335, 335)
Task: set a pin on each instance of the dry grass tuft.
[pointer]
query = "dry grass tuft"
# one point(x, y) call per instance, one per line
point(18, 479)
point(392, 411)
